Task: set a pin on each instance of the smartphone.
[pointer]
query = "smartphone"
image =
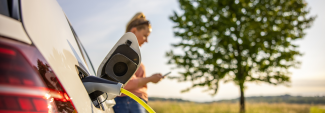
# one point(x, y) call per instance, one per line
point(166, 74)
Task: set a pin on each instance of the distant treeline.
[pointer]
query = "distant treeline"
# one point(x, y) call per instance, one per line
point(282, 99)
point(257, 99)
point(167, 99)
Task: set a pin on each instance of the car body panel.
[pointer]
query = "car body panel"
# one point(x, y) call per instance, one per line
point(49, 30)
point(12, 28)
point(43, 24)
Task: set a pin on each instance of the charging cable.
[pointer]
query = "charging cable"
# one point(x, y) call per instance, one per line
point(146, 106)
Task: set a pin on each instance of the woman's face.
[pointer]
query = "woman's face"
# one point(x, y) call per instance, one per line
point(142, 34)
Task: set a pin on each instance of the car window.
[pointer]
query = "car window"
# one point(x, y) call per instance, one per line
point(10, 8)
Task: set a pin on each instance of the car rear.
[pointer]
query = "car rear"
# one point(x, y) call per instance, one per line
point(42, 61)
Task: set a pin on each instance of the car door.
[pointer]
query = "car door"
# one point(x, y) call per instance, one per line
point(100, 104)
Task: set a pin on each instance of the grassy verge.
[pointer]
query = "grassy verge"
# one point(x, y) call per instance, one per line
point(190, 107)
point(317, 109)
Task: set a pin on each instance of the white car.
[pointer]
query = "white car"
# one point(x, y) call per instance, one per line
point(43, 64)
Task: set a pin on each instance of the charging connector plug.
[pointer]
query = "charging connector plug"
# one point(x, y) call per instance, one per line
point(96, 86)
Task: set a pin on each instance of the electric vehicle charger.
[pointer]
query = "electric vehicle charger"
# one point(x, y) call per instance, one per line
point(96, 86)
point(145, 105)
point(116, 69)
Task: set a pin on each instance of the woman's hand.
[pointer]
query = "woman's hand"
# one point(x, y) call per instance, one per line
point(155, 78)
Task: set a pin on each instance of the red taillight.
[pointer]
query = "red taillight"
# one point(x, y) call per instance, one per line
point(27, 82)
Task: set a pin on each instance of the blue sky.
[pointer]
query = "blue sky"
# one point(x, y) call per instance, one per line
point(99, 24)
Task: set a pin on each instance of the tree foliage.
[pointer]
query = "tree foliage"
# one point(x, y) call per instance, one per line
point(238, 40)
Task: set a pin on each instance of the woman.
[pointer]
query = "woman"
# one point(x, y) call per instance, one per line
point(138, 82)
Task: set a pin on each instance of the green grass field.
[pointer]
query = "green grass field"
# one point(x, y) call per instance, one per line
point(190, 107)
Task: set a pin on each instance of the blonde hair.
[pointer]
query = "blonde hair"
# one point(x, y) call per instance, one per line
point(139, 21)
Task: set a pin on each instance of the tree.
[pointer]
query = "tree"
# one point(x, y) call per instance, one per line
point(238, 40)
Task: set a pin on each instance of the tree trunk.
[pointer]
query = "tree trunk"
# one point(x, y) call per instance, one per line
point(242, 99)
